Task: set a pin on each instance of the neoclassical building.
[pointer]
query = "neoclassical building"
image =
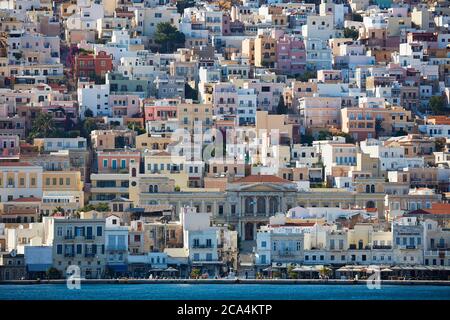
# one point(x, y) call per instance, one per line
point(248, 203)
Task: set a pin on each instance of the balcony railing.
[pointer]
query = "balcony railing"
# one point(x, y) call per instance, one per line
point(202, 246)
point(381, 247)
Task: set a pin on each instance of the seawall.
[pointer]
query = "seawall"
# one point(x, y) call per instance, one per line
point(231, 281)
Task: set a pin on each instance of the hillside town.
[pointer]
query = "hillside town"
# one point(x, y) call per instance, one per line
point(231, 138)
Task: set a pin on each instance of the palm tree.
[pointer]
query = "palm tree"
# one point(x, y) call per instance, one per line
point(43, 126)
point(325, 272)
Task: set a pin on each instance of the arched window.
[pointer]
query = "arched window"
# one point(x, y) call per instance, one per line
point(133, 172)
point(150, 188)
point(367, 189)
point(372, 188)
point(155, 189)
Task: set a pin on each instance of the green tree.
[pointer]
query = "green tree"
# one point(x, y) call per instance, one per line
point(53, 273)
point(305, 76)
point(139, 130)
point(351, 33)
point(102, 207)
point(168, 37)
point(378, 127)
point(325, 272)
point(357, 17)
point(58, 209)
point(307, 139)
point(281, 108)
point(324, 135)
point(189, 92)
point(195, 273)
point(88, 113)
point(183, 4)
point(348, 137)
point(87, 126)
point(439, 144)
point(437, 105)
point(43, 126)
point(291, 273)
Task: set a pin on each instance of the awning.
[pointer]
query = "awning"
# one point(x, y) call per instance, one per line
point(118, 267)
point(170, 269)
point(38, 267)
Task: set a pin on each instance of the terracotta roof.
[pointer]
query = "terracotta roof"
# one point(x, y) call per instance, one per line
point(436, 208)
point(15, 164)
point(440, 119)
point(262, 178)
point(26, 199)
point(162, 154)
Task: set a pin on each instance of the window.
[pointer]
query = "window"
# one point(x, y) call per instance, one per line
point(263, 244)
point(99, 231)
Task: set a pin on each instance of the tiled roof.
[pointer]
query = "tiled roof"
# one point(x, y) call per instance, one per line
point(27, 199)
point(262, 178)
point(15, 164)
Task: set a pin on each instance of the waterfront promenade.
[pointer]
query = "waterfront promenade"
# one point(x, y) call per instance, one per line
point(232, 281)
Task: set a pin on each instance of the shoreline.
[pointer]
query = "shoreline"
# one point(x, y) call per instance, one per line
point(230, 281)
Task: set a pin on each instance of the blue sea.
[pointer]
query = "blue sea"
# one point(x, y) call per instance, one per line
point(222, 291)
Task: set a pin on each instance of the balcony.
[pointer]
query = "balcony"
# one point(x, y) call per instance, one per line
point(69, 237)
point(71, 254)
point(379, 247)
point(89, 255)
point(202, 246)
point(89, 237)
point(287, 253)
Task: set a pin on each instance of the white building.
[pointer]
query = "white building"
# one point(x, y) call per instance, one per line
point(94, 97)
point(116, 238)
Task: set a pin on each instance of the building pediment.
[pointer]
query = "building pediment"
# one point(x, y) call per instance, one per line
point(263, 187)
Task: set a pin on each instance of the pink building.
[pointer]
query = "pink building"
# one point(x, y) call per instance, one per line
point(116, 161)
point(124, 105)
point(154, 113)
point(9, 147)
point(290, 55)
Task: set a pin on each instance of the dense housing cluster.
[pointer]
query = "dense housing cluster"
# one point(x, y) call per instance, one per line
point(188, 138)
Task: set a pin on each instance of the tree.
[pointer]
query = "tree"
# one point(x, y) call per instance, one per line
point(307, 139)
point(351, 33)
point(291, 273)
point(324, 135)
point(378, 127)
point(325, 272)
point(87, 126)
point(88, 113)
point(305, 76)
point(437, 105)
point(281, 108)
point(139, 130)
point(53, 273)
point(183, 4)
point(195, 273)
point(400, 133)
point(102, 207)
point(43, 126)
point(58, 209)
point(168, 37)
point(189, 92)
point(439, 144)
point(348, 137)
point(357, 17)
